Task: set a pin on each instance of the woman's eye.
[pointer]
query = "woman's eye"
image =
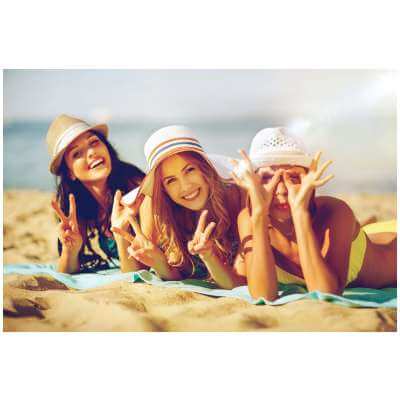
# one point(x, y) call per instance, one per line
point(266, 178)
point(94, 142)
point(76, 154)
point(190, 169)
point(169, 181)
point(295, 178)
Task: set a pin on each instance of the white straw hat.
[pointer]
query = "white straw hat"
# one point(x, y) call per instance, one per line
point(62, 132)
point(273, 146)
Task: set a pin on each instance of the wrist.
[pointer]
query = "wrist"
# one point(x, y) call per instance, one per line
point(207, 255)
point(300, 213)
point(70, 253)
point(260, 218)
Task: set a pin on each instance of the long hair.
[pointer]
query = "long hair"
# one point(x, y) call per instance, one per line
point(124, 176)
point(175, 225)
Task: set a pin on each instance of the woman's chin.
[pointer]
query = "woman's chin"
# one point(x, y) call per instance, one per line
point(281, 213)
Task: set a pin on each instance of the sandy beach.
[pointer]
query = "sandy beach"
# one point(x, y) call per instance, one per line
point(39, 303)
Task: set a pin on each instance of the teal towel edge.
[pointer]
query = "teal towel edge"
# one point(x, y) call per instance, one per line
point(354, 297)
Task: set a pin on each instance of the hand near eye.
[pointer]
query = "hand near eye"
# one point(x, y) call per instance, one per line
point(69, 234)
point(201, 243)
point(260, 195)
point(141, 249)
point(299, 194)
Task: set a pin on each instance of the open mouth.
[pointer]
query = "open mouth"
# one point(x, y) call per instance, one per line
point(282, 206)
point(96, 163)
point(192, 195)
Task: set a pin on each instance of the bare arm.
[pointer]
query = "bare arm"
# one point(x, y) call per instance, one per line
point(70, 237)
point(258, 256)
point(326, 270)
point(222, 273)
point(253, 231)
point(317, 271)
point(119, 219)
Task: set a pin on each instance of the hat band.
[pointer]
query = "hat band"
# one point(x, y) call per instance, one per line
point(167, 148)
point(68, 136)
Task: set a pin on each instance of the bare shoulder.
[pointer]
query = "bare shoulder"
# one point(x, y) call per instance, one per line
point(333, 205)
point(244, 222)
point(334, 211)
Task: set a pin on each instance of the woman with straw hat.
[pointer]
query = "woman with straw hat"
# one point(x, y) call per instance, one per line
point(90, 180)
point(188, 215)
point(291, 236)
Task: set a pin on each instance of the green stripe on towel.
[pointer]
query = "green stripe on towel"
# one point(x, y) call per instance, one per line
point(352, 297)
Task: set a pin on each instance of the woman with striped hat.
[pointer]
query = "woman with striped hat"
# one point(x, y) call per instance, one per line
point(188, 212)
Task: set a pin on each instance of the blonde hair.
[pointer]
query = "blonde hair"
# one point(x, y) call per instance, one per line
point(175, 225)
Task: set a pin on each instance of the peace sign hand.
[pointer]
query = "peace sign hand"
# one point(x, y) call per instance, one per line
point(260, 195)
point(299, 194)
point(201, 243)
point(68, 228)
point(120, 213)
point(141, 248)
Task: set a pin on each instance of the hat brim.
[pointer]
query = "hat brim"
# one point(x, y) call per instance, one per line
point(56, 161)
point(269, 160)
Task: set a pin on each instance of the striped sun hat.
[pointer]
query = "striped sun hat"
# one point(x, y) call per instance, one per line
point(162, 144)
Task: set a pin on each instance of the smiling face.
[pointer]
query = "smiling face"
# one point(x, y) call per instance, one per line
point(184, 182)
point(88, 159)
point(280, 207)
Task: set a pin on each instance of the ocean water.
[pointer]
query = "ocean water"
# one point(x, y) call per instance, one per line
point(25, 157)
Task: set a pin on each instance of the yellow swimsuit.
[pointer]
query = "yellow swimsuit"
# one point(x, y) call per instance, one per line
point(357, 253)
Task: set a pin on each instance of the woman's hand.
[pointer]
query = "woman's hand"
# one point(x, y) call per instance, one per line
point(299, 194)
point(201, 243)
point(69, 233)
point(140, 248)
point(120, 213)
point(260, 195)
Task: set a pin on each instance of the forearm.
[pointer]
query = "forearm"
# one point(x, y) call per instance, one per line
point(222, 273)
point(127, 264)
point(261, 274)
point(316, 271)
point(68, 262)
point(165, 271)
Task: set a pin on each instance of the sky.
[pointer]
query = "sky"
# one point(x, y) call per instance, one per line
point(193, 94)
point(349, 114)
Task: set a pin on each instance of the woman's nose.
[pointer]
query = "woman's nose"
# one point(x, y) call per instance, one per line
point(90, 152)
point(281, 188)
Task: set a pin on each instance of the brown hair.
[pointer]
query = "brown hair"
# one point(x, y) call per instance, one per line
point(175, 225)
point(124, 176)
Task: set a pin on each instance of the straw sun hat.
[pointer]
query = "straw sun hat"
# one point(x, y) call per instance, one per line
point(62, 132)
point(162, 144)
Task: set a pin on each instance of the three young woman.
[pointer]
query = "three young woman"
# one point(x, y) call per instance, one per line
point(267, 228)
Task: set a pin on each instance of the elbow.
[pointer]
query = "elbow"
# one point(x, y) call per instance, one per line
point(329, 288)
point(269, 295)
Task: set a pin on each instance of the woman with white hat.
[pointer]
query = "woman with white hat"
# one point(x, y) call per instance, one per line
point(90, 181)
point(188, 215)
point(290, 236)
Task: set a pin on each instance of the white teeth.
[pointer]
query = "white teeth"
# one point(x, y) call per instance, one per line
point(96, 163)
point(192, 195)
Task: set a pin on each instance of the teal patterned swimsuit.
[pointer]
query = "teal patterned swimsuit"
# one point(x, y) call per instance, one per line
point(94, 262)
point(109, 246)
